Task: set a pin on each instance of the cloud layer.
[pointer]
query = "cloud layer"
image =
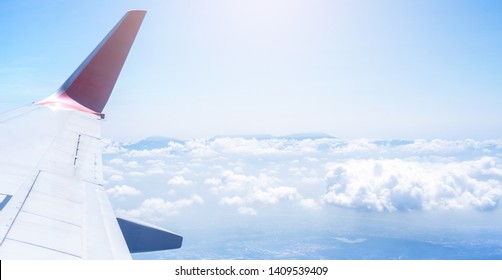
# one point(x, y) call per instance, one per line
point(406, 185)
point(252, 177)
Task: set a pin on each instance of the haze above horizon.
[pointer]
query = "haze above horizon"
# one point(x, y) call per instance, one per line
point(386, 69)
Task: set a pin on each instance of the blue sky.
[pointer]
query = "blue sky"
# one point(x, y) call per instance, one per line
point(377, 69)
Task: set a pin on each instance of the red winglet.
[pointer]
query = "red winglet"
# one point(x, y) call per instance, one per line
point(90, 86)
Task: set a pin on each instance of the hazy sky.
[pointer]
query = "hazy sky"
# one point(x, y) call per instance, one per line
point(376, 69)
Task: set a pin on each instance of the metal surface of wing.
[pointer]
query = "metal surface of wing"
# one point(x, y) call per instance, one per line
point(51, 170)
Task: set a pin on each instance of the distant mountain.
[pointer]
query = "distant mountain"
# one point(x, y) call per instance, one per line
point(155, 142)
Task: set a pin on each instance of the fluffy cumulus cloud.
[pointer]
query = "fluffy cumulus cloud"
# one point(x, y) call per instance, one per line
point(406, 185)
point(157, 208)
point(179, 180)
point(273, 195)
point(251, 176)
point(249, 191)
point(234, 200)
point(232, 181)
point(123, 190)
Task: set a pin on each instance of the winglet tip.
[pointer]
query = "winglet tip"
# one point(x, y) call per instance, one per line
point(91, 84)
point(139, 11)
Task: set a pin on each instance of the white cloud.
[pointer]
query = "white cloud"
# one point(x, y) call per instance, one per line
point(267, 147)
point(179, 180)
point(362, 174)
point(123, 190)
point(172, 149)
point(111, 147)
point(309, 203)
point(311, 159)
point(246, 146)
point(308, 150)
point(249, 190)
point(405, 185)
point(246, 211)
point(111, 171)
point(200, 148)
point(155, 166)
point(231, 182)
point(306, 175)
point(157, 208)
point(156, 162)
point(273, 195)
point(212, 182)
point(234, 200)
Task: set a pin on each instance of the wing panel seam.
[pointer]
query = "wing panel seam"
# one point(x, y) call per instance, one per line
point(21, 207)
point(50, 218)
point(47, 248)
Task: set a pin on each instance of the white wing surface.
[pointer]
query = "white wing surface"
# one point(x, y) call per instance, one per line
point(52, 201)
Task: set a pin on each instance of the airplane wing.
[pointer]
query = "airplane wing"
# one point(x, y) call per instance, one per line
point(52, 201)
